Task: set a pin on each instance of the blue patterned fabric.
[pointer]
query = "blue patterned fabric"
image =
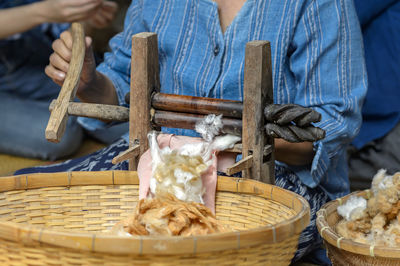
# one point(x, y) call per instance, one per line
point(97, 161)
point(316, 197)
point(317, 62)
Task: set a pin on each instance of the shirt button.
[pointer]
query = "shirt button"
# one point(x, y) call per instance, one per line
point(216, 50)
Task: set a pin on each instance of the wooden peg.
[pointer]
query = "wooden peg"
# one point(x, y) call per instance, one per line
point(130, 153)
point(243, 164)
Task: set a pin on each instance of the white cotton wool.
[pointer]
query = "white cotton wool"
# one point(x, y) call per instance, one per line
point(178, 172)
point(209, 127)
point(179, 193)
point(153, 186)
point(221, 143)
point(194, 149)
point(381, 181)
point(353, 208)
point(182, 177)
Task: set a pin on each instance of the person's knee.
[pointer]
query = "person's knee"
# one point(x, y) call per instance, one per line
point(111, 134)
point(69, 144)
point(22, 131)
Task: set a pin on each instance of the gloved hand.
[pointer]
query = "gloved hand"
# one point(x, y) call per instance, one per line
point(292, 123)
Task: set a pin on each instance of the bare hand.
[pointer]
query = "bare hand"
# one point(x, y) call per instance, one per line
point(70, 10)
point(60, 61)
point(103, 16)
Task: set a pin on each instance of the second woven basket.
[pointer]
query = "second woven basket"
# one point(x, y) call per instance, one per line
point(346, 252)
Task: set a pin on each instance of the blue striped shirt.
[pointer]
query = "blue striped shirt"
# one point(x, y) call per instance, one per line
point(317, 62)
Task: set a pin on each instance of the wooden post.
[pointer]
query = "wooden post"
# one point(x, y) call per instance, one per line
point(258, 92)
point(59, 115)
point(144, 81)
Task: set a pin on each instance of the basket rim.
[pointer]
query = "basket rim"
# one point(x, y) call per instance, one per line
point(143, 245)
point(333, 238)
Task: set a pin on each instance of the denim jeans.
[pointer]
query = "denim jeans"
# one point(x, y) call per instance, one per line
point(25, 95)
point(22, 130)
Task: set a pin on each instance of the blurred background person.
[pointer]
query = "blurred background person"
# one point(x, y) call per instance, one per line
point(27, 30)
point(377, 146)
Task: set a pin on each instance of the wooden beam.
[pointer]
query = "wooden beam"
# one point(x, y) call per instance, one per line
point(144, 81)
point(196, 105)
point(188, 121)
point(257, 93)
point(98, 111)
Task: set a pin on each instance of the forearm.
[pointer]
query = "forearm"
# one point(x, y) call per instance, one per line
point(20, 19)
point(100, 90)
point(294, 153)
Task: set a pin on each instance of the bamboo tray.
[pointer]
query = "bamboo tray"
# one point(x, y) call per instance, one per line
point(63, 218)
point(343, 251)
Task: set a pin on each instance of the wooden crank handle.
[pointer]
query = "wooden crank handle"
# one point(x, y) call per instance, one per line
point(59, 115)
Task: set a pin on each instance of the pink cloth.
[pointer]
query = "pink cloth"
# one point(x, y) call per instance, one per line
point(209, 178)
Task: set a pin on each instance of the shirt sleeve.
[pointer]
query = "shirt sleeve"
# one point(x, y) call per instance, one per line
point(328, 64)
point(117, 63)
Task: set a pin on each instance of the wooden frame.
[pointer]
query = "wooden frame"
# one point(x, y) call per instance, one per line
point(257, 148)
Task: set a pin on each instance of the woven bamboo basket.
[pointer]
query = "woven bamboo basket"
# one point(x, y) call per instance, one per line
point(343, 251)
point(64, 218)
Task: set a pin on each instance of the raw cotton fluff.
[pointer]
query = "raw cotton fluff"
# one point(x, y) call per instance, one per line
point(174, 205)
point(166, 215)
point(179, 175)
point(378, 223)
point(209, 127)
point(174, 173)
point(381, 181)
point(179, 171)
point(352, 208)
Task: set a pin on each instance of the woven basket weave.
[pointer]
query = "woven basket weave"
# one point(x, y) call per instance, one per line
point(343, 251)
point(63, 218)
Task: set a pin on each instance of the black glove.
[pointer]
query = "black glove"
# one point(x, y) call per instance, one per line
point(292, 123)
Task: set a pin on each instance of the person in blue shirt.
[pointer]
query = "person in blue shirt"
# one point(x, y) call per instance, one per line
point(27, 30)
point(377, 145)
point(317, 62)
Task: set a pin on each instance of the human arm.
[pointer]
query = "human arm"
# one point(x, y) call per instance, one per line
point(102, 17)
point(93, 87)
point(301, 153)
point(22, 18)
point(114, 71)
point(328, 64)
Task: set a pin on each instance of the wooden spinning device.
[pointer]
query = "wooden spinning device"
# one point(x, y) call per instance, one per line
point(150, 109)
